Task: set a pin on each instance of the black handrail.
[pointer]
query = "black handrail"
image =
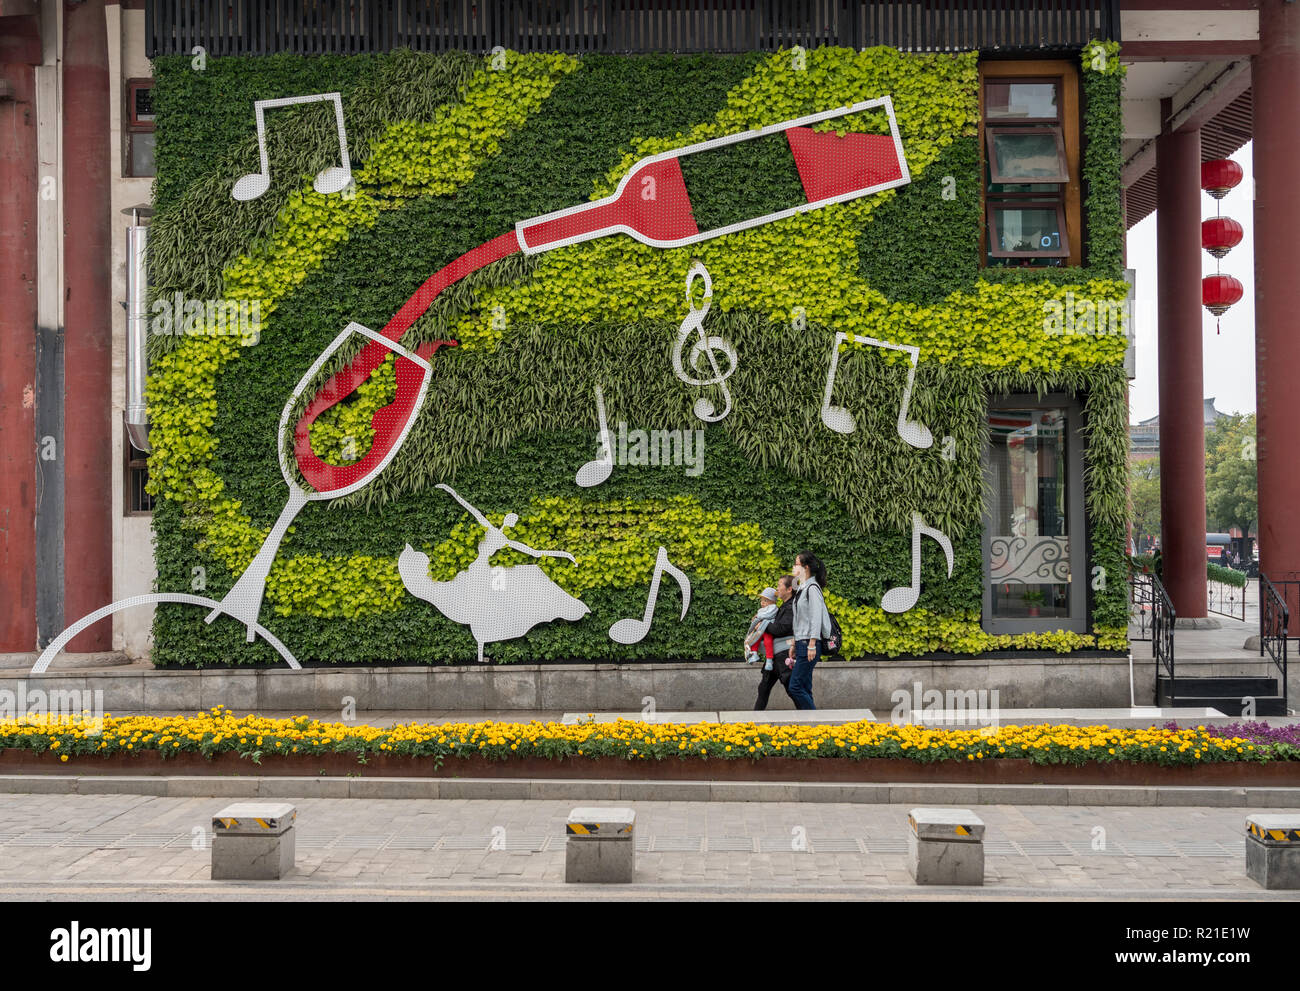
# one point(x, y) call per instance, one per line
point(1141, 599)
point(1163, 617)
point(1225, 599)
point(1274, 622)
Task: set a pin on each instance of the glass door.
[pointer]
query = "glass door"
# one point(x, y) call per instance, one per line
point(1034, 545)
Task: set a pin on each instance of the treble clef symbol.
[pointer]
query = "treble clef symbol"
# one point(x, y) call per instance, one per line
point(706, 345)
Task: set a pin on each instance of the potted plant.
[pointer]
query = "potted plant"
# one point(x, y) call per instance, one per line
point(1033, 599)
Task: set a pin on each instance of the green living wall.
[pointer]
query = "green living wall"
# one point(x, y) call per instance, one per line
point(448, 152)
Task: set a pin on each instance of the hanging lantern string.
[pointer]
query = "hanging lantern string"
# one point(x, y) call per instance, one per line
point(1218, 178)
point(1218, 259)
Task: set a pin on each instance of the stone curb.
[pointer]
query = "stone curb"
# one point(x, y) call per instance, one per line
point(486, 789)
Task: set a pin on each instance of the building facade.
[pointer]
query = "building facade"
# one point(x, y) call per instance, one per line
point(1144, 436)
point(884, 335)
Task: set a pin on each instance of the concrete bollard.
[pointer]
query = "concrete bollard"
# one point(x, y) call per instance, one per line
point(1273, 851)
point(945, 846)
point(253, 841)
point(601, 846)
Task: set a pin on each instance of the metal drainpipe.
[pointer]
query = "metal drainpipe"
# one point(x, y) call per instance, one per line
point(137, 330)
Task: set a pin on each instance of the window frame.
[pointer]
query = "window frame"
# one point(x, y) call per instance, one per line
point(991, 134)
point(131, 126)
point(134, 461)
point(1080, 538)
point(1012, 203)
point(1070, 121)
point(999, 77)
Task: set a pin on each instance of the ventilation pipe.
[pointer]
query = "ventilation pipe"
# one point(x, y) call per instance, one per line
point(137, 332)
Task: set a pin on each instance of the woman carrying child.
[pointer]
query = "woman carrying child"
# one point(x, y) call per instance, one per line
point(777, 640)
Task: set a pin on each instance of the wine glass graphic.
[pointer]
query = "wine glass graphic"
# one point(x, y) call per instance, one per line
point(392, 424)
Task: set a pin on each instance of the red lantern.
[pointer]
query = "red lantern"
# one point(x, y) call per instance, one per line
point(1218, 292)
point(1219, 235)
point(1220, 176)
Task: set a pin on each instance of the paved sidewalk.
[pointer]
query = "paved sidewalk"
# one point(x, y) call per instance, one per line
point(113, 847)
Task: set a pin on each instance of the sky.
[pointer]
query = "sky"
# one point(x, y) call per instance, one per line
point(1229, 356)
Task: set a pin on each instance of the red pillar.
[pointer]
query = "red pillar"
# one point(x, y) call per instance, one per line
point(87, 322)
point(1182, 423)
point(18, 192)
point(1276, 81)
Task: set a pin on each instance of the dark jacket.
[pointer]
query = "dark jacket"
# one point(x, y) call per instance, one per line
point(782, 626)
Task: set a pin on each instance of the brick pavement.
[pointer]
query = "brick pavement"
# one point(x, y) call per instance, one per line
point(84, 846)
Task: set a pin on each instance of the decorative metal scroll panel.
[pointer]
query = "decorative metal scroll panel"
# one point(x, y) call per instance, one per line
point(1029, 560)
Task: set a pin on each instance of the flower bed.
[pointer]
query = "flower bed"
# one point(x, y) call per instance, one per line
point(1255, 732)
point(219, 732)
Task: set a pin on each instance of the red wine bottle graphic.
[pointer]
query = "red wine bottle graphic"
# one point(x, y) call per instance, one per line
point(652, 205)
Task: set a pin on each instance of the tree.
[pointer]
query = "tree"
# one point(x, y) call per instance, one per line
point(1144, 490)
point(1231, 492)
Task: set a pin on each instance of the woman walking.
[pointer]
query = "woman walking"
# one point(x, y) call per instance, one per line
point(812, 624)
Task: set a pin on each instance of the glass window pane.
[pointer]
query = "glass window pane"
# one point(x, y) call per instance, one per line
point(1027, 229)
point(1042, 190)
point(1028, 156)
point(1029, 540)
point(142, 145)
point(1020, 100)
point(144, 104)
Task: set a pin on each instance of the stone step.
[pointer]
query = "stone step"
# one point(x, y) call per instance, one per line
point(1221, 686)
point(1265, 705)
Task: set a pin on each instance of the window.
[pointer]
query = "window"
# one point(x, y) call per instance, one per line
point(1027, 230)
point(1028, 155)
point(138, 129)
point(1034, 544)
point(1029, 128)
point(1022, 100)
point(137, 501)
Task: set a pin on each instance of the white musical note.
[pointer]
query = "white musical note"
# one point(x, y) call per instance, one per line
point(904, 597)
point(634, 630)
point(706, 345)
point(331, 180)
point(596, 472)
point(842, 421)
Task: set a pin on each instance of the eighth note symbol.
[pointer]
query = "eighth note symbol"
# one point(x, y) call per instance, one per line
point(331, 180)
point(842, 421)
point(596, 472)
point(634, 630)
point(904, 597)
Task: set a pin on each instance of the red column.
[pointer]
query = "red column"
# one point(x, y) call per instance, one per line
point(1182, 424)
point(18, 192)
point(87, 322)
point(1276, 81)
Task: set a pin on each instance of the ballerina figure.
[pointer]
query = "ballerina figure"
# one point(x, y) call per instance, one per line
point(495, 603)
